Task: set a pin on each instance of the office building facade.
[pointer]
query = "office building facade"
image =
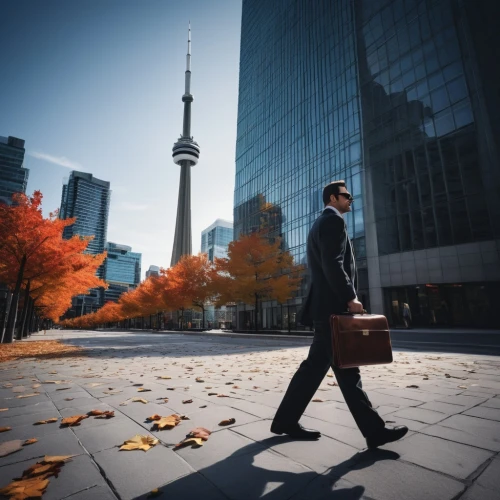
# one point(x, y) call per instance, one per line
point(153, 271)
point(122, 270)
point(215, 239)
point(13, 177)
point(87, 198)
point(397, 97)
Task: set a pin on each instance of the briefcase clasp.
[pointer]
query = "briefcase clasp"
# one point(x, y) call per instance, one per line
point(365, 332)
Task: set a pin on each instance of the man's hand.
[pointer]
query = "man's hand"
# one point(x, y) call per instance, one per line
point(355, 306)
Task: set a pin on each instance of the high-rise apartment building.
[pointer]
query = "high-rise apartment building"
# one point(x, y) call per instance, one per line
point(400, 99)
point(13, 177)
point(122, 270)
point(153, 271)
point(87, 198)
point(215, 239)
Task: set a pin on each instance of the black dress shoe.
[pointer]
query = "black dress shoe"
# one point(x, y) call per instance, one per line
point(386, 436)
point(295, 431)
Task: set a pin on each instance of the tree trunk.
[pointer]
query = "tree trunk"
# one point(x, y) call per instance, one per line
point(26, 329)
point(3, 326)
point(256, 306)
point(11, 322)
point(24, 314)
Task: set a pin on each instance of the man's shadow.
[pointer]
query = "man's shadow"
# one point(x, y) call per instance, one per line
point(250, 474)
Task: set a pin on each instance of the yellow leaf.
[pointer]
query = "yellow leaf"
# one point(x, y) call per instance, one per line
point(139, 442)
point(52, 459)
point(5, 429)
point(229, 421)
point(30, 441)
point(3, 409)
point(193, 442)
point(167, 422)
point(222, 396)
point(25, 488)
point(139, 400)
point(154, 417)
point(142, 389)
point(164, 377)
point(22, 396)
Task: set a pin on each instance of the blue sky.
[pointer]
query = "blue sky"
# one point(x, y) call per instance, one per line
point(96, 85)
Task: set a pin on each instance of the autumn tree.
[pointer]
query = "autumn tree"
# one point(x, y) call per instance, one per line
point(256, 269)
point(34, 254)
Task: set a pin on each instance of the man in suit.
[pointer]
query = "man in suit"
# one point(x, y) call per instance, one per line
point(332, 291)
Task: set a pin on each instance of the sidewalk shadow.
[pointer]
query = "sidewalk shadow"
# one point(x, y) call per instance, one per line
point(241, 477)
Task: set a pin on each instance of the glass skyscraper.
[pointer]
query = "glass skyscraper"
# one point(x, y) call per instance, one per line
point(87, 199)
point(215, 239)
point(13, 177)
point(398, 98)
point(122, 270)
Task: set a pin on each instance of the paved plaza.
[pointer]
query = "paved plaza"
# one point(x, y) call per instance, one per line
point(450, 402)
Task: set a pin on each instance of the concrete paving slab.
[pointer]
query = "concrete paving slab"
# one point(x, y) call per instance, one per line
point(490, 477)
point(484, 412)
point(96, 439)
point(191, 487)
point(326, 488)
point(135, 473)
point(473, 431)
point(14, 402)
point(94, 493)
point(401, 480)
point(24, 410)
point(464, 400)
point(492, 403)
point(448, 457)
point(477, 492)
point(61, 443)
point(330, 413)
point(28, 418)
point(421, 415)
point(258, 474)
point(446, 408)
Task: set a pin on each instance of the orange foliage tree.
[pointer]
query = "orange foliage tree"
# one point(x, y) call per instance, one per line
point(256, 269)
point(33, 254)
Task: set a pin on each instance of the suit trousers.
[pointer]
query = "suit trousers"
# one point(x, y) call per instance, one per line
point(309, 376)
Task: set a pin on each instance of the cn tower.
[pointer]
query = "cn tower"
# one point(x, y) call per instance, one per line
point(185, 154)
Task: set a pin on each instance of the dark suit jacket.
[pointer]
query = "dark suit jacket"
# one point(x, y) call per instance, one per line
point(332, 269)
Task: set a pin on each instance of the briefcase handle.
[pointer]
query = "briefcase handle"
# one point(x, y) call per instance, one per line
point(347, 313)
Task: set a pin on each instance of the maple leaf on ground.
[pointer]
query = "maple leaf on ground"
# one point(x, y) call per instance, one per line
point(143, 389)
point(22, 396)
point(105, 414)
point(74, 420)
point(153, 417)
point(200, 432)
point(139, 442)
point(193, 442)
point(30, 441)
point(25, 488)
point(139, 400)
point(167, 422)
point(5, 429)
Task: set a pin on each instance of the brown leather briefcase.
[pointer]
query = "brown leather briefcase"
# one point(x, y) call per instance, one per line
point(360, 340)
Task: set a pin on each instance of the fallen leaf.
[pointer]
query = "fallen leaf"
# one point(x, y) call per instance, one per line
point(184, 417)
point(199, 432)
point(139, 400)
point(222, 396)
point(212, 394)
point(153, 417)
point(3, 409)
point(332, 384)
point(228, 421)
point(154, 493)
point(199, 379)
point(164, 377)
point(94, 413)
point(22, 396)
point(167, 422)
point(48, 421)
point(68, 399)
point(462, 387)
point(63, 388)
point(10, 447)
point(142, 389)
point(139, 442)
point(412, 386)
point(187, 401)
point(25, 488)
point(236, 386)
point(204, 406)
point(317, 400)
point(52, 459)
point(106, 414)
point(74, 420)
point(329, 375)
point(192, 441)
point(30, 441)
point(5, 429)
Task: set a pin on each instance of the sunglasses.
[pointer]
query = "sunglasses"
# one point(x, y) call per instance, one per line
point(347, 196)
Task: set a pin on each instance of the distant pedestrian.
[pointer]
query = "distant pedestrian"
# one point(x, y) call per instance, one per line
point(406, 315)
